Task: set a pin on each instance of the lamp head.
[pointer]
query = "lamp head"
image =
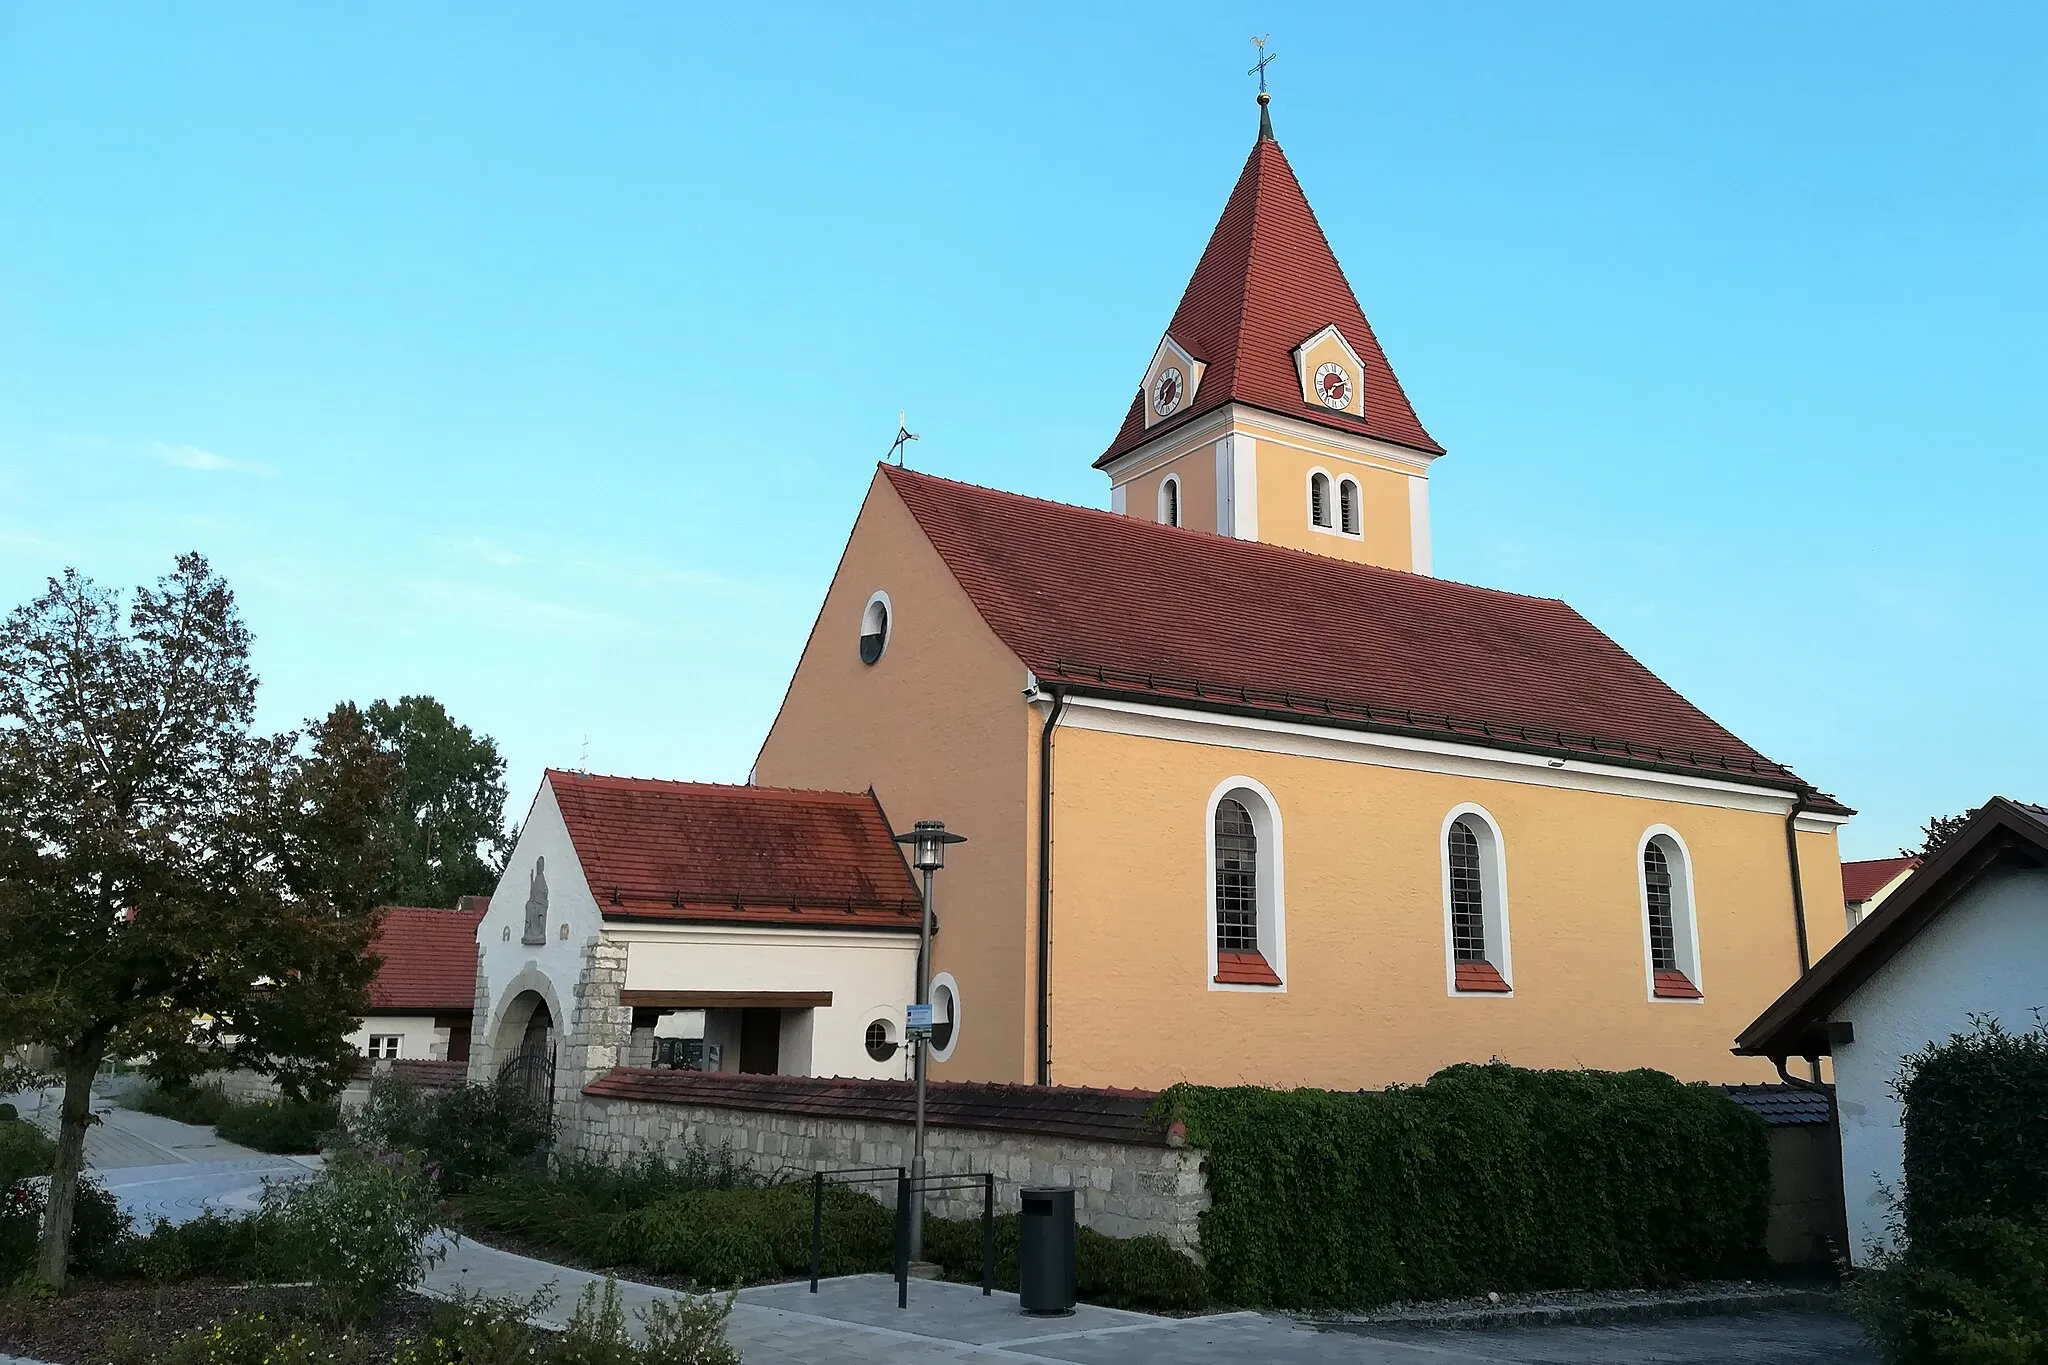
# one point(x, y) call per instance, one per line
point(928, 840)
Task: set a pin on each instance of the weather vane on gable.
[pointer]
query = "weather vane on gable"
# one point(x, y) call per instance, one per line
point(903, 434)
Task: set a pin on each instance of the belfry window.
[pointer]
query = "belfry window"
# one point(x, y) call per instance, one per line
point(1319, 500)
point(1671, 933)
point(1246, 914)
point(1347, 506)
point(1475, 904)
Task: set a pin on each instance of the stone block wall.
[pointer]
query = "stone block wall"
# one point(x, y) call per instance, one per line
point(600, 1027)
point(1122, 1189)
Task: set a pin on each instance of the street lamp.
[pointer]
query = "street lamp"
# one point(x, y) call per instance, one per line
point(927, 840)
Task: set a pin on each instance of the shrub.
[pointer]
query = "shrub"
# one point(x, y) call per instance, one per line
point(8, 1113)
point(1144, 1273)
point(210, 1245)
point(285, 1126)
point(97, 1227)
point(1972, 1291)
point(201, 1105)
point(253, 1338)
point(357, 1231)
point(1975, 1142)
point(1486, 1177)
point(735, 1236)
point(467, 1134)
point(488, 1331)
point(24, 1151)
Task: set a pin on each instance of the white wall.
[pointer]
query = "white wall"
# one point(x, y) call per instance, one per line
point(871, 976)
point(419, 1039)
point(1986, 954)
point(507, 965)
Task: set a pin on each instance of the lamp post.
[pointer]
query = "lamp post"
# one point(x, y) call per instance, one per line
point(927, 840)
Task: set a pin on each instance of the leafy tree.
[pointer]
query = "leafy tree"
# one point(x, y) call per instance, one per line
point(172, 884)
point(444, 826)
point(1938, 831)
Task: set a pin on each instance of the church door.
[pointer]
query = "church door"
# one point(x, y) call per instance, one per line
point(760, 1041)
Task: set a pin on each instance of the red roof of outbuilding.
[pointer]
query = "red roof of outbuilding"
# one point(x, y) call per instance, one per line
point(1192, 618)
point(703, 851)
point(1267, 282)
point(1862, 880)
point(428, 960)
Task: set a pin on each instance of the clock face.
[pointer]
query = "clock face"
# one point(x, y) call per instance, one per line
point(1333, 386)
point(1166, 393)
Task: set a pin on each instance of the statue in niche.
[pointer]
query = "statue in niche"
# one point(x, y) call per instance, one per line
point(537, 904)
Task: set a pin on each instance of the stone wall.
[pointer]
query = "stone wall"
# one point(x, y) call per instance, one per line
point(1122, 1189)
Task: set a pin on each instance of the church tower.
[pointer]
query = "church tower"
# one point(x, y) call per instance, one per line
point(1269, 411)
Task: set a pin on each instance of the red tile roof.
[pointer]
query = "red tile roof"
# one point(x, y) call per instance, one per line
point(1187, 617)
point(1059, 1111)
point(428, 961)
point(1862, 880)
point(701, 851)
point(1267, 282)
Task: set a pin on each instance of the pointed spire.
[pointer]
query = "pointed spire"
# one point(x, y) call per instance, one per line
point(1266, 59)
point(1265, 117)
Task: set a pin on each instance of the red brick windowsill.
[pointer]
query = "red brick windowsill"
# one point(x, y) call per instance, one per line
point(1670, 985)
point(1481, 976)
point(1244, 969)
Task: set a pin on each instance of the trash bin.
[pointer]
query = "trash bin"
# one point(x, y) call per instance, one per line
point(1045, 1253)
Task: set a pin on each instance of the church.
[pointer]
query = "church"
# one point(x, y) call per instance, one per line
point(1250, 796)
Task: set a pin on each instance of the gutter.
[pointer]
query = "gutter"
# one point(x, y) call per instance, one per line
point(1052, 720)
point(1798, 890)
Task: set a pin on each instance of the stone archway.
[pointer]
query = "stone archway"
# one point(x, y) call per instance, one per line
point(529, 994)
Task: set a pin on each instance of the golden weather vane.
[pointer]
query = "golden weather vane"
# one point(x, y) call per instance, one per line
point(1259, 69)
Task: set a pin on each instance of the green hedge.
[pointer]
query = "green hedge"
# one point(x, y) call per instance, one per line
point(1484, 1178)
point(284, 1126)
point(1976, 1139)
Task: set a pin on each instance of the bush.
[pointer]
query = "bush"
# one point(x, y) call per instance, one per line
point(1972, 1291)
point(8, 1113)
point(487, 1331)
point(252, 1338)
point(24, 1151)
point(736, 1236)
point(466, 1134)
point(98, 1227)
point(210, 1245)
point(1144, 1273)
point(1484, 1178)
point(1975, 1140)
point(357, 1231)
point(200, 1105)
point(285, 1126)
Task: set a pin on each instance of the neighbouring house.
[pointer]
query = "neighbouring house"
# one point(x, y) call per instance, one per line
point(1964, 937)
point(421, 997)
point(1866, 882)
point(698, 926)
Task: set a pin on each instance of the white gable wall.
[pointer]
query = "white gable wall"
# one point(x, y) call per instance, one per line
point(1985, 954)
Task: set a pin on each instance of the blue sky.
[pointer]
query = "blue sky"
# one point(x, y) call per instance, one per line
point(537, 358)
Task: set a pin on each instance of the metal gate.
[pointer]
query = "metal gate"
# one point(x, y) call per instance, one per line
point(531, 1072)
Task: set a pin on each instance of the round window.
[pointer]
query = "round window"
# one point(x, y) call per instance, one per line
point(874, 628)
point(881, 1046)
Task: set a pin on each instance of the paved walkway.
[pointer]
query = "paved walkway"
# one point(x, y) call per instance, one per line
point(854, 1320)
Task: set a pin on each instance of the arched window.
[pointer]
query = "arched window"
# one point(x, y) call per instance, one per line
point(1319, 500)
point(1347, 506)
point(1475, 904)
point(1671, 937)
point(1169, 501)
point(874, 628)
point(1246, 915)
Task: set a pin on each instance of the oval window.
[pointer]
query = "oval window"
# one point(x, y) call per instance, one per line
point(874, 628)
point(880, 1045)
point(945, 998)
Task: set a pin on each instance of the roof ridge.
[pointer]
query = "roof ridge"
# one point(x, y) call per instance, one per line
point(1252, 546)
point(737, 788)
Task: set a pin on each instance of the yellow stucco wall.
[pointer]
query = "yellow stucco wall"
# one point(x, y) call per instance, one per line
point(938, 729)
point(1283, 472)
point(1366, 1001)
point(1820, 866)
point(1197, 473)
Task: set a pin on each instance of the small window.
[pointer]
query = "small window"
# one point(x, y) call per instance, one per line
point(1475, 910)
point(1237, 879)
point(874, 628)
point(1668, 924)
point(383, 1046)
point(1319, 499)
point(1246, 924)
point(1169, 502)
point(1347, 506)
point(880, 1045)
point(945, 1016)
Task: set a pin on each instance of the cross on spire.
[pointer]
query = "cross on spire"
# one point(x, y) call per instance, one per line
point(1266, 59)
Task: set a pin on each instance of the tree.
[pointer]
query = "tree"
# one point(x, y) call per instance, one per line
point(444, 824)
point(173, 884)
point(1938, 831)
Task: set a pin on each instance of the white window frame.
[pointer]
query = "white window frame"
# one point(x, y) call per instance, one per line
point(1272, 891)
point(952, 988)
point(397, 1041)
point(1179, 506)
point(1357, 507)
point(877, 597)
point(1329, 503)
point(1685, 929)
point(1493, 882)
